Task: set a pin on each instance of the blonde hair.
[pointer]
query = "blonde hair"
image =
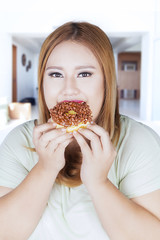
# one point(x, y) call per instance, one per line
point(98, 42)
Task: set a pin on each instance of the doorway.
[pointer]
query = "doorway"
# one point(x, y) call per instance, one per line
point(14, 73)
point(129, 68)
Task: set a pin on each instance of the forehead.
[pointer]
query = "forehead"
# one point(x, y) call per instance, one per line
point(72, 51)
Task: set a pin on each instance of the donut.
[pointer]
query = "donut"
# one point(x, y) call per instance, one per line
point(71, 115)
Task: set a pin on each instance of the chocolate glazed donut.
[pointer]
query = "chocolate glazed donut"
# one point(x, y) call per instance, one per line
point(71, 115)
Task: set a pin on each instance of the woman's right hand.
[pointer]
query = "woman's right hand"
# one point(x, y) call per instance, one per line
point(50, 144)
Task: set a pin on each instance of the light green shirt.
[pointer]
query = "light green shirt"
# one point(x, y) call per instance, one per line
point(70, 213)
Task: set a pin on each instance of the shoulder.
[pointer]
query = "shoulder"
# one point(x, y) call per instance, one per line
point(138, 159)
point(26, 127)
point(135, 134)
point(22, 134)
point(15, 159)
point(138, 147)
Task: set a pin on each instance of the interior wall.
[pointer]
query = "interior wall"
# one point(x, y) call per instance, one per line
point(6, 67)
point(35, 82)
point(25, 79)
point(156, 83)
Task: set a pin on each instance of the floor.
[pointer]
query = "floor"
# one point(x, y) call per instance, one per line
point(129, 108)
point(126, 107)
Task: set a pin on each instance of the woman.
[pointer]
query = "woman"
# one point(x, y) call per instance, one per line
point(101, 182)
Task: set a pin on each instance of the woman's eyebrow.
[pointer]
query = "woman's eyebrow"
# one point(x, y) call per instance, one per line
point(85, 66)
point(54, 67)
point(77, 67)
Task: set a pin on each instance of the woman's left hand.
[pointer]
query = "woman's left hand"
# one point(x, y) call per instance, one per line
point(97, 158)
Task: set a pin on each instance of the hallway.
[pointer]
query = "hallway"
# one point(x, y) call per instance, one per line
point(130, 108)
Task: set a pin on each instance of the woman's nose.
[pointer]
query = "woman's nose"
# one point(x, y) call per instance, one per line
point(70, 88)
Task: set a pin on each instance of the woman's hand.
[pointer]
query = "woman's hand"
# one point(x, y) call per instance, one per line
point(97, 158)
point(50, 144)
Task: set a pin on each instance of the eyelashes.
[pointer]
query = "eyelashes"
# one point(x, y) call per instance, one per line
point(85, 74)
point(55, 75)
point(80, 75)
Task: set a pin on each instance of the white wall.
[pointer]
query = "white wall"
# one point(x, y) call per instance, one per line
point(150, 74)
point(42, 17)
point(6, 66)
point(156, 66)
point(25, 79)
point(146, 77)
point(156, 83)
point(35, 83)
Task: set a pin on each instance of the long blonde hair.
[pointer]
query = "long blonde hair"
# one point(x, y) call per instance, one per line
point(98, 42)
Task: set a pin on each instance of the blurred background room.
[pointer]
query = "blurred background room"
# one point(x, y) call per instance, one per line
point(132, 26)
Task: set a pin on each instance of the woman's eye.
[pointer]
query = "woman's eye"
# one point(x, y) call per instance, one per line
point(55, 75)
point(84, 74)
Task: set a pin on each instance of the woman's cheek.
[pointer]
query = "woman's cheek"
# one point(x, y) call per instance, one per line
point(95, 101)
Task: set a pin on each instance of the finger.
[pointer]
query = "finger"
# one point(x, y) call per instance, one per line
point(61, 147)
point(50, 120)
point(104, 135)
point(85, 149)
point(59, 153)
point(94, 140)
point(40, 129)
point(50, 136)
point(53, 144)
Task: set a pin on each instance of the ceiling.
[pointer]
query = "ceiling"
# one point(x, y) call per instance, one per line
point(119, 43)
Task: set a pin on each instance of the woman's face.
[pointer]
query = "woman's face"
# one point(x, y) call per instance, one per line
point(73, 73)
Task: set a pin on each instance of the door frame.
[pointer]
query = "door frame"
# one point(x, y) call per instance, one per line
point(14, 73)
